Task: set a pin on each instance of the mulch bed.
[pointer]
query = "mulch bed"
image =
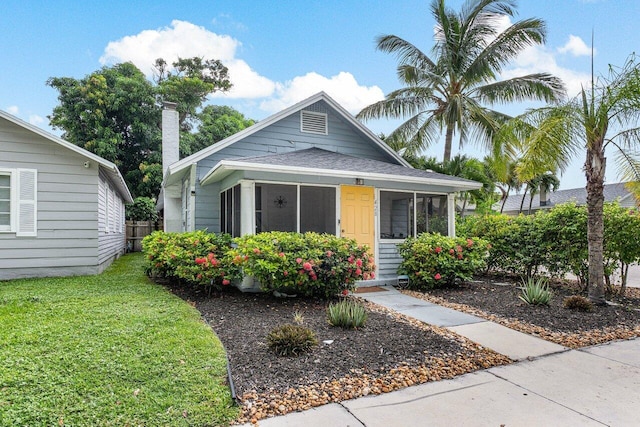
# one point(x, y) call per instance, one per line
point(390, 352)
point(499, 303)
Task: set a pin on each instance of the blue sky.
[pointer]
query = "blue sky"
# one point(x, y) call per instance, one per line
point(281, 52)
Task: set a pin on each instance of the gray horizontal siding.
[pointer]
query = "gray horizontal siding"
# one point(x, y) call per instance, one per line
point(388, 260)
point(281, 137)
point(67, 203)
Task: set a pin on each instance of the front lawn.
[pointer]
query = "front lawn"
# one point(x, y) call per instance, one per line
point(113, 349)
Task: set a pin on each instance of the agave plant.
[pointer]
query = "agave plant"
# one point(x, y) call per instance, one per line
point(535, 291)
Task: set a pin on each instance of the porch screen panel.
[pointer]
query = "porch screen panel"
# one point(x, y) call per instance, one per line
point(318, 209)
point(279, 207)
point(230, 209)
point(396, 215)
point(431, 214)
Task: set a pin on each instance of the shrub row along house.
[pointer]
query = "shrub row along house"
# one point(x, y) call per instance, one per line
point(61, 207)
point(310, 167)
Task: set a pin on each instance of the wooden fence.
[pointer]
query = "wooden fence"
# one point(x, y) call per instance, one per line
point(137, 230)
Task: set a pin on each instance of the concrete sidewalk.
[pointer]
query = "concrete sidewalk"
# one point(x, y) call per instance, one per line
point(550, 385)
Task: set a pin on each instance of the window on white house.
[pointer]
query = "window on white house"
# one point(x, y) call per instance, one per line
point(5, 201)
point(18, 201)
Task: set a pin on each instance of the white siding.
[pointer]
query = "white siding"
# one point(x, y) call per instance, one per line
point(67, 217)
point(111, 240)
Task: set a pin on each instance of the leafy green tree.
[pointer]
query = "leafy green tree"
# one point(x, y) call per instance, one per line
point(142, 209)
point(115, 112)
point(604, 116)
point(217, 122)
point(450, 90)
point(189, 82)
point(621, 228)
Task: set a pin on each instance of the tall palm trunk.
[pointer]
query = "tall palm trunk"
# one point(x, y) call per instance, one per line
point(594, 170)
point(523, 196)
point(447, 144)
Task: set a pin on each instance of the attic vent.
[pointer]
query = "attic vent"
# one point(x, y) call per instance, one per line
point(312, 122)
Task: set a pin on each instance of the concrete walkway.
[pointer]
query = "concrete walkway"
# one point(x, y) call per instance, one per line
point(549, 385)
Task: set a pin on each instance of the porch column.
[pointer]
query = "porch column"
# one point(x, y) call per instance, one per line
point(451, 214)
point(248, 226)
point(247, 210)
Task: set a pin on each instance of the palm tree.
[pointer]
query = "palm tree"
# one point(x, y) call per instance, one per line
point(606, 115)
point(502, 171)
point(448, 90)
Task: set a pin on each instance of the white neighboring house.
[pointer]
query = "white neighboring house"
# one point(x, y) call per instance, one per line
point(61, 207)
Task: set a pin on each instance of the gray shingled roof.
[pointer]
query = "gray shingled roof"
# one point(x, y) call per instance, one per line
point(322, 159)
point(612, 192)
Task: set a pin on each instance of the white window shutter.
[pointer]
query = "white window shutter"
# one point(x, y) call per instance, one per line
point(27, 202)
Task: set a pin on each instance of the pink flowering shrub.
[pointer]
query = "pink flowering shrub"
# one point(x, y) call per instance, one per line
point(433, 260)
point(303, 264)
point(195, 258)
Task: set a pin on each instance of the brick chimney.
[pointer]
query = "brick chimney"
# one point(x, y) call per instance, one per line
point(170, 135)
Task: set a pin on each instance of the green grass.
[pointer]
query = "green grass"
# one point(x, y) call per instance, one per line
point(108, 350)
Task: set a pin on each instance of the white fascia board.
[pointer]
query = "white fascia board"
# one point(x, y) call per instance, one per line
point(227, 166)
point(109, 166)
point(205, 152)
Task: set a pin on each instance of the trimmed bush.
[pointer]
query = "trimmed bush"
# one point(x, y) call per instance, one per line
point(577, 302)
point(535, 291)
point(347, 314)
point(308, 264)
point(433, 260)
point(291, 340)
point(195, 257)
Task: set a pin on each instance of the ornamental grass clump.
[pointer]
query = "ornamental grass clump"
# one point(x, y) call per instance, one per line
point(347, 314)
point(578, 303)
point(535, 291)
point(291, 340)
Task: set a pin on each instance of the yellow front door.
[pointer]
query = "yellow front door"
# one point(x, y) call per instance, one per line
point(356, 215)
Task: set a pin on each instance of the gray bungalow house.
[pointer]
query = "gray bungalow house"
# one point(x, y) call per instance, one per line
point(61, 207)
point(310, 167)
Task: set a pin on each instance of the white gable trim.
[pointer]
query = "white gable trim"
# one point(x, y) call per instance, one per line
point(321, 96)
point(225, 167)
point(111, 167)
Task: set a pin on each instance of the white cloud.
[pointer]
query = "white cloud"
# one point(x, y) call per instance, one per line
point(35, 119)
point(576, 47)
point(537, 59)
point(185, 39)
point(342, 87)
point(13, 109)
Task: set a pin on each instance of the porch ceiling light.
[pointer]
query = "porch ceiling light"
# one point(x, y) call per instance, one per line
point(359, 181)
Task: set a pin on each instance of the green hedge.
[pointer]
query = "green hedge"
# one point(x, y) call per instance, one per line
point(292, 263)
point(555, 240)
point(433, 260)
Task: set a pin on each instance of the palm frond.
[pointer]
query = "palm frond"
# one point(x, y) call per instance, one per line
point(399, 104)
point(405, 51)
point(539, 87)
